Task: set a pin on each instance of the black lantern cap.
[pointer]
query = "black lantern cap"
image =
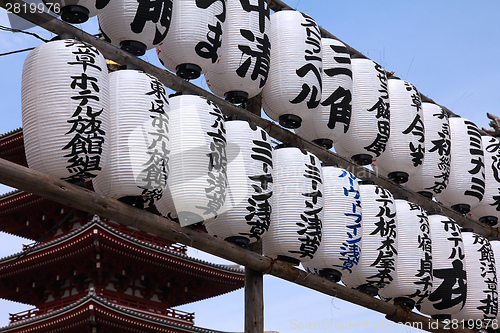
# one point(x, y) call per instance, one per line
point(188, 71)
point(133, 47)
point(74, 14)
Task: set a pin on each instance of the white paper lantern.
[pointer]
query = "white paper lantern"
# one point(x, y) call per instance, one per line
point(197, 165)
point(404, 153)
point(247, 211)
point(434, 174)
point(379, 240)
point(369, 130)
point(297, 206)
point(495, 247)
point(449, 278)
point(413, 275)
point(76, 11)
point(482, 299)
point(465, 189)
point(333, 116)
point(136, 26)
point(243, 67)
point(488, 211)
point(136, 167)
point(192, 45)
point(340, 247)
point(65, 103)
point(293, 91)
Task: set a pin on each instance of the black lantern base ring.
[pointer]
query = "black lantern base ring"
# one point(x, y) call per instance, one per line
point(290, 121)
point(74, 14)
point(325, 143)
point(330, 274)
point(489, 220)
point(441, 317)
point(188, 71)
point(362, 159)
point(425, 194)
point(398, 177)
point(368, 289)
point(242, 242)
point(134, 201)
point(236, 96)
point(289, 260)
point(461, 208)
point(133, 47)
point(404, 302)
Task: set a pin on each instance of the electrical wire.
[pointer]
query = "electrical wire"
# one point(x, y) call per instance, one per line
point(4, 28)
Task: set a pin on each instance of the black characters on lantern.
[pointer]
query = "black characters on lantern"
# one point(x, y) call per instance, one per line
point(442, 146)
point(416, 127)
point(478, 187)
point(494, 148)
point(157, 11)
point(209, 49)
point(489, 305)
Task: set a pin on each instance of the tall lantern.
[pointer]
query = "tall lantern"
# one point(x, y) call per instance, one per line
point(488, 211)
point(340, 248)
point(482, 300)
point(293, 91)
point(76, 11)
point(434, 174)
point(247, 212)
point(369, 130)
point(413, 275)
point(197, 165)
point(379, 240)
point(465, 189)
point(136, 26)
point(333, 115)
point(136, 167)
point(404, 153)
point(65, 105)
point(243, 67)
point(297, 206)
point(193, 43)
point(449, 278)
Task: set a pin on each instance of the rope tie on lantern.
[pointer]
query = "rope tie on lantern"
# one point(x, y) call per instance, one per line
point(270, 269)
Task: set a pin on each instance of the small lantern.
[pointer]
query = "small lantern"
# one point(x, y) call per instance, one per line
point(293, 91)
point(465, 189)
point(65, 105)
point(369, 130)
point(136, 26)
point(404, 153)
point(197, 165)
point(243, 67)
point(192, 45)
point(247, 211)
point(434, 174)
point(333, 115)
point(297, 208)
point(376, 266)
point(136, 167)
point(340, 248)
point(76, 11)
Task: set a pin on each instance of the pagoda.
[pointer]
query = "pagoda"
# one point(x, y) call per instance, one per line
point(86, 274)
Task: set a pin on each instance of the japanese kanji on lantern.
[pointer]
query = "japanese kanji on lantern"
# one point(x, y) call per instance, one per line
point(488, 211)
point(198, 164)
point(333, 115)
point(376, 266)
point(404, 153)
point(242, 69)
point(449, 278)
point(193, 43)
point(369, 130)
point(482, 300)
point(76, 11)
point(136, 26)
point(136, 167)
point(247, 210)
point(433, 176)
point(293, 91)
point(465, 189)
point(65, 105)
point(297, 206)
point(340, 247)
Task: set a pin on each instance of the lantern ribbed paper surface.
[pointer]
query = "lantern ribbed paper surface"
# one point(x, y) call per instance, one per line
point(482, 299)
point(413, 277)
point(243, 67)
point(138, 144)
point(369, 130)
point(136, 26)
point(77, 11)
point(340, 247)
point(434, 174)
point(193, 42)
point(197, 165)
point(404, 153)
point(297, 206)
point(293, 91)
point(65, 106)
point(333, 116)
point(375, 269)
point(488, 211)
point(495, 247)
point(449, 279)
point(247, 211)
point(466, 186)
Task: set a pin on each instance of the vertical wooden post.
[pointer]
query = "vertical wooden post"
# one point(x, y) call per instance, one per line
point(254, 286)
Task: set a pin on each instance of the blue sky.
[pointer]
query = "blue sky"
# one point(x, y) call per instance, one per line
point(447, 49)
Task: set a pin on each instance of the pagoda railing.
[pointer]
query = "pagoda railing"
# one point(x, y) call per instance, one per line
point(43, 309)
